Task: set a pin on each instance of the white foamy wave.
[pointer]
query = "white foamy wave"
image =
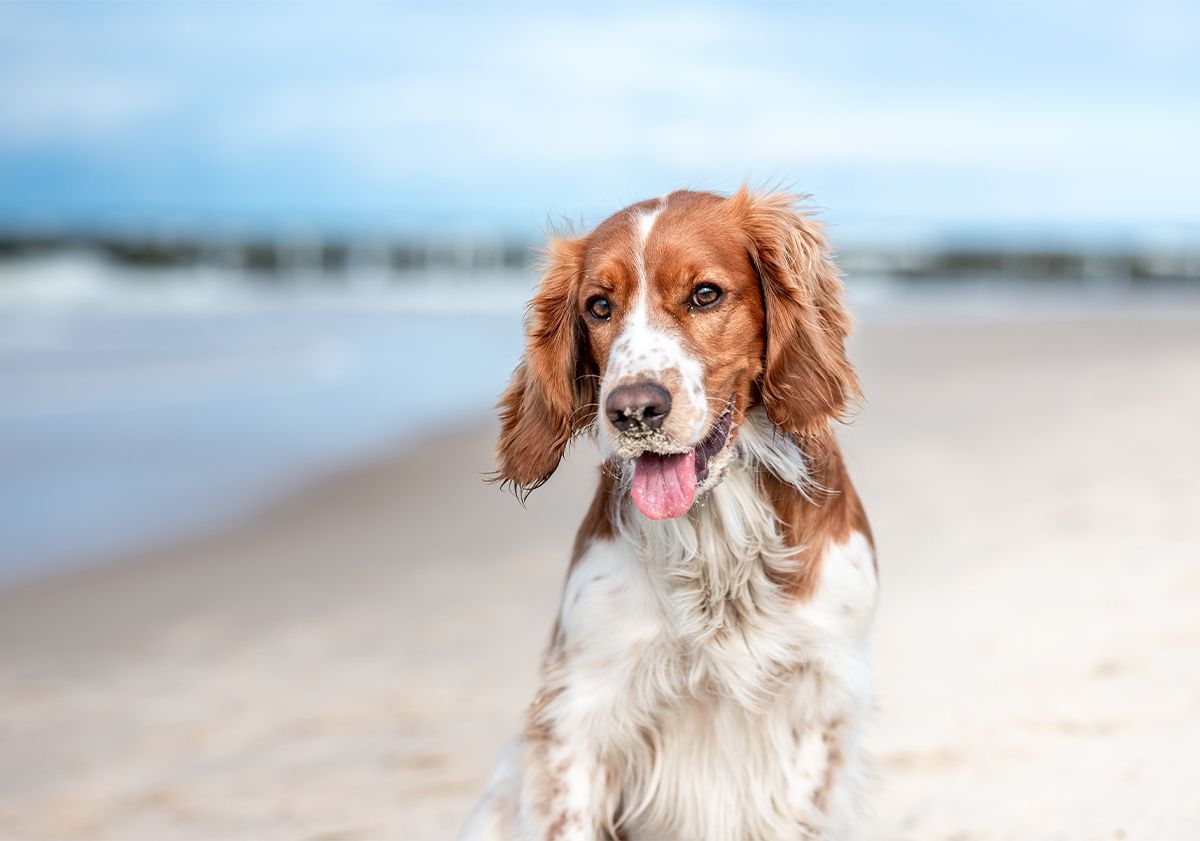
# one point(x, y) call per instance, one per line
point(84, 280)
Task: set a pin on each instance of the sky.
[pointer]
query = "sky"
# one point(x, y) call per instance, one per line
point(451, 118)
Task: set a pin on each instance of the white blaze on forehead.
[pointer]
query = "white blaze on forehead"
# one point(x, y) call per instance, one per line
point(646, 352)
point(645, 224)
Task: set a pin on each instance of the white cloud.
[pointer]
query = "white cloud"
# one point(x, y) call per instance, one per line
point(982, 104)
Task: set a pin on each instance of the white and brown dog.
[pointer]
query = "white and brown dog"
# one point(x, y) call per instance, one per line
point(707, 676)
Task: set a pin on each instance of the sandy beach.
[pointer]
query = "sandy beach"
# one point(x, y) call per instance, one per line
point(348, 664)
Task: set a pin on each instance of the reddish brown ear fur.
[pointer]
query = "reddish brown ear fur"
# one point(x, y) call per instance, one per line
point(546, 402)
point(807, 379)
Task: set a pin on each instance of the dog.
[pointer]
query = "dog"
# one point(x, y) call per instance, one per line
point(707, 674)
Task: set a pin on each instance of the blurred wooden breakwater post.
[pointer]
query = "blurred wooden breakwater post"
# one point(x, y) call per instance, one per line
point(279, 257)
point(949, 264)
point(333, 258)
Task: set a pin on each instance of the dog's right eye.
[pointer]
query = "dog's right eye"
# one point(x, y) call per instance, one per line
point(599, 307)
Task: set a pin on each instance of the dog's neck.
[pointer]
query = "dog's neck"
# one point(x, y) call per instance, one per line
point(752, 540)
point(720, 565)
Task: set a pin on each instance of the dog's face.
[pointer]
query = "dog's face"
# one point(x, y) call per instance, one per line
point(663, 327)
point(673, 316)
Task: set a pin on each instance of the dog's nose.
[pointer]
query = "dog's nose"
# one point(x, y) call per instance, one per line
point(642, 405)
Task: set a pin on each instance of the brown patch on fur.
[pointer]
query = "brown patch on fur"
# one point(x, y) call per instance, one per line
point(539, 729)
point(834, 513)
point(549, 776)
point(597, 523)
point(807, 378)
point(540, 739)
point(557, 827)
point(551, 396)
point(537, 726)
point(834, 760)
point(701, 238)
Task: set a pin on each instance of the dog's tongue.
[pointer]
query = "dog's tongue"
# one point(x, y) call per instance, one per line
point(664, 486)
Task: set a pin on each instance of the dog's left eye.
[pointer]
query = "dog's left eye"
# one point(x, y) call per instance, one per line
point(705, 295)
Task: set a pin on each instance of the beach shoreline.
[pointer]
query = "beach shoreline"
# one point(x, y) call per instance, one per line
point(348, 662)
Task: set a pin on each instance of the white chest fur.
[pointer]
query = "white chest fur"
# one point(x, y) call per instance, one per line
point(685, 694)
point(718, 704)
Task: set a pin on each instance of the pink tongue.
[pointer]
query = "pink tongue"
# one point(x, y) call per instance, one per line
point(664, 486)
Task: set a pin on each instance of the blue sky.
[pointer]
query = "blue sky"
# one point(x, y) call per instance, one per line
point(452, 117)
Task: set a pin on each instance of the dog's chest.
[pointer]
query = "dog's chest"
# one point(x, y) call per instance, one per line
point(710, 692)
point(710, 768)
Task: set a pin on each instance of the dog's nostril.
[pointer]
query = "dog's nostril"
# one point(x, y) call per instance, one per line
point(644, 405)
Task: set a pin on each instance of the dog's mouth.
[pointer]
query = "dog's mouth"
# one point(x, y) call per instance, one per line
point(664, 484)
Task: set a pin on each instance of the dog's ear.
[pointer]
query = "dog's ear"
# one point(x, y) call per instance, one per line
point(807, 378)
point(548, 400)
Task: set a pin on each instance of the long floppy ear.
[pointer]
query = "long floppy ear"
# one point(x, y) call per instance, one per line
point(807, 378)
point(546, 403)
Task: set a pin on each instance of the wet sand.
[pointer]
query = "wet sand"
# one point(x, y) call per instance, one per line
point(348, 664)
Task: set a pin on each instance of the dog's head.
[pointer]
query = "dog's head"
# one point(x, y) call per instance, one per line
point(666, 324)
